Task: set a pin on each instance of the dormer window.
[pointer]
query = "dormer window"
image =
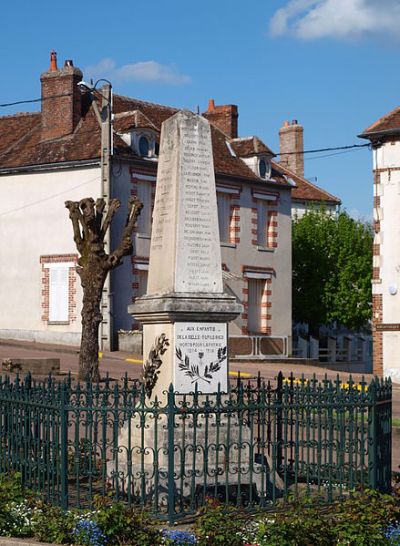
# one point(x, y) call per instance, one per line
point(264, 168)
point(144, 143)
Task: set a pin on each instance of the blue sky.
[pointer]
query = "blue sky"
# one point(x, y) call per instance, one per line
point(331, 64)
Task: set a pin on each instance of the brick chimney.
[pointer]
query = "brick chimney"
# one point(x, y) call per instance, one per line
point(224, 117)
point(291, 140)
point(61, 99)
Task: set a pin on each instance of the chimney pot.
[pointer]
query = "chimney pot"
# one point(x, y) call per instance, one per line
point(68, 62)
point(211, 105)
point(53, 61)
point(294, 122)
point(286, 123)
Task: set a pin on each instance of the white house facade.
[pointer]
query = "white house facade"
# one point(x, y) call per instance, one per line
point(384, 136)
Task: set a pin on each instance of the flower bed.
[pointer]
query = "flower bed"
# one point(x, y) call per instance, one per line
point(364, 519)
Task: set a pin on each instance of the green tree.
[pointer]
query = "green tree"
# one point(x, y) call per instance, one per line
point(332, 270)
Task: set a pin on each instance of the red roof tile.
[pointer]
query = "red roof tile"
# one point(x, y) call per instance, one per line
point(389, 122)
point(305, 190)
point(245, 147)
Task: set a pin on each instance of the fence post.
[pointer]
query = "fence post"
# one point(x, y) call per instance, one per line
point(279, 425)
point(372, 478)
point(171, 452)
point(380, 435)
point(64, 447)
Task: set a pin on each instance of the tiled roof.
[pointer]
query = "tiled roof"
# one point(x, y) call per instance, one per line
point(128, 120)
point(21, 145)
point(245, 147)
point(305, 190)
point(389, 122)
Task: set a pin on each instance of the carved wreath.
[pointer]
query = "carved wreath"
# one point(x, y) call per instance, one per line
point(151, 368)
point(195, 371)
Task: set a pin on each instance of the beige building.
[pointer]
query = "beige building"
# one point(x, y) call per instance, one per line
point(54, 155)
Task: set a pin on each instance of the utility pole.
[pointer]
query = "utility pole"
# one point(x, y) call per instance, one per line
point(106, 328)
point(104, 117)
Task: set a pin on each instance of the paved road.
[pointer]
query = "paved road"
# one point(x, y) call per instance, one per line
point(118, 363)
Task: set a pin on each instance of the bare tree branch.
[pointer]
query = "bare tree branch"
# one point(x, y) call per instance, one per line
point(113, 206)
point(125, 246)
point(75, 216)
point(100, 205)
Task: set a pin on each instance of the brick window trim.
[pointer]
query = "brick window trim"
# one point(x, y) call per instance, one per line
point(45, 261)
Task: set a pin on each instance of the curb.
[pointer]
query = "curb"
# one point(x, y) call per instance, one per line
point(8, 541)
point(38, 347)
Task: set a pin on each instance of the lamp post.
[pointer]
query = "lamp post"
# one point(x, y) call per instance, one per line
point(104, 117)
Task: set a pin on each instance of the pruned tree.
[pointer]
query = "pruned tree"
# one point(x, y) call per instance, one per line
point(94, 263)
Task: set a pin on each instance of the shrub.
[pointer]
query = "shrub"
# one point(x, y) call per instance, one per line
point(52, 524)
point(220, 524)
point(125, 524)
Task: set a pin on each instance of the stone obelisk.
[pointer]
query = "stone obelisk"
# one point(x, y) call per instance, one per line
point(185, 302)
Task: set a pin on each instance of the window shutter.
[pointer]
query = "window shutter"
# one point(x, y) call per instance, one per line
point(256, 288)
point(262, 213)
point(224, 216)
point(58, 294)
point(142, 278)
point(144, 195)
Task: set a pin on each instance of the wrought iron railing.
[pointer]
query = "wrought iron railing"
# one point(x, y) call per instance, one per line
point(261, 442)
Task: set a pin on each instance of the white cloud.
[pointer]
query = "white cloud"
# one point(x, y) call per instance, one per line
point(146, 71)
point(341, 19)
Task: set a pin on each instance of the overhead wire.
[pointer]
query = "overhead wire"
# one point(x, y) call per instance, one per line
point(49, 197)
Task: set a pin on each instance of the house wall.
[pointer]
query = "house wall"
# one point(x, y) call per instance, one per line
point(386, 260)
point(35, 223)
point(300, 208)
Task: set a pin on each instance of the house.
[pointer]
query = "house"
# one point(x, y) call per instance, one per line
point(55, 155)
point(384, 136)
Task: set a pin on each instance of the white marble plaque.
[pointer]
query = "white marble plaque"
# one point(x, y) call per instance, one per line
point(201, 356)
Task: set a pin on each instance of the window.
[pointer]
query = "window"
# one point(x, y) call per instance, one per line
point(58, 294)
point(58, 288)
point(144, 146)
point(266, 220)
point(256, 301)
point(224, 216)
point(256, 289)
point(142, 281)
point(144, 193)
point(264, 168)
point(262, 223)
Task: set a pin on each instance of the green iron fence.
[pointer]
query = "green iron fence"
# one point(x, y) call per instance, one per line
point(253, 446)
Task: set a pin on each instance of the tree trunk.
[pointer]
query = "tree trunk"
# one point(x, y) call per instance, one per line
point(94, 264)
point(92, 281)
